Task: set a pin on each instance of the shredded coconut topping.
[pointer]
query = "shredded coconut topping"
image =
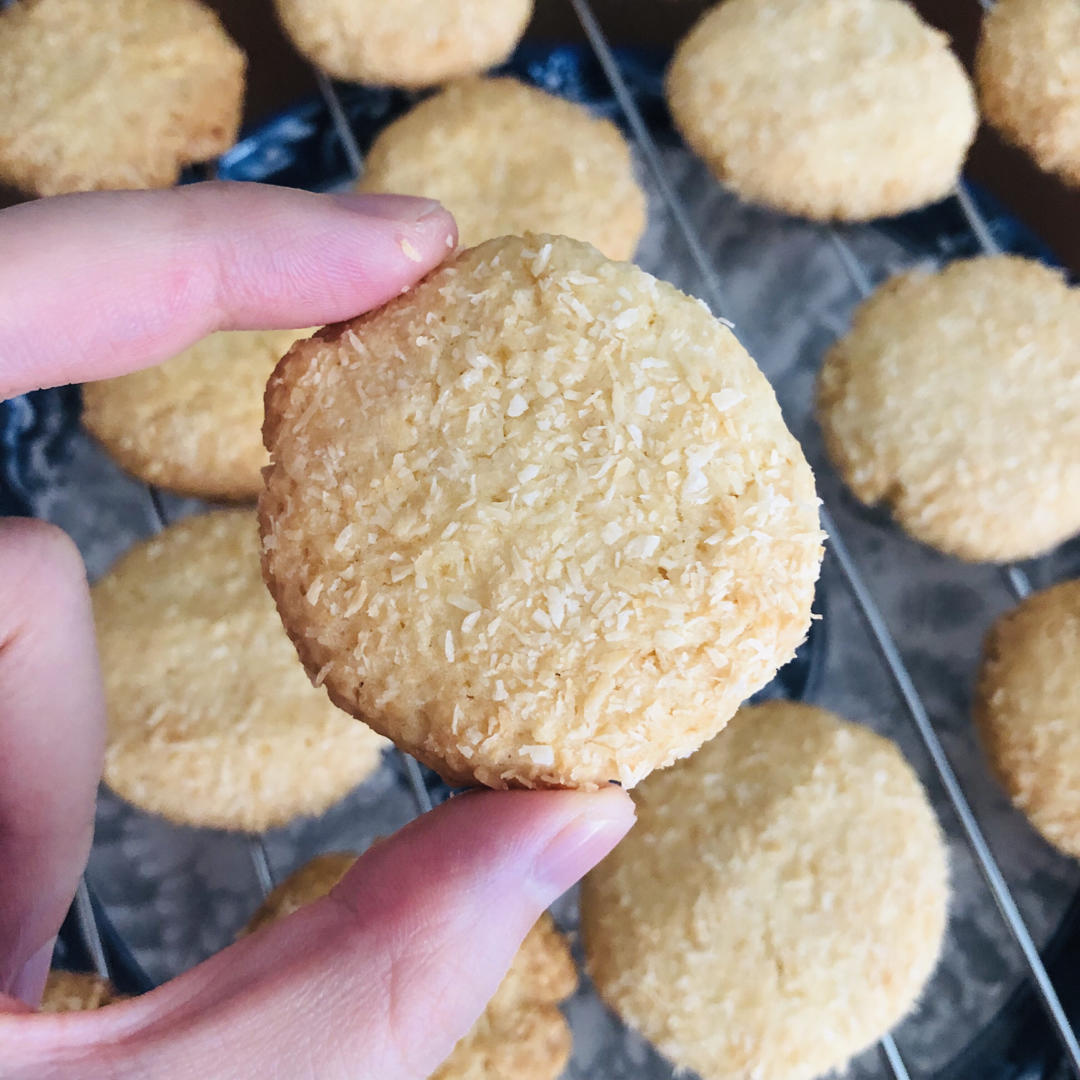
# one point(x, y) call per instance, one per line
point(578, 549)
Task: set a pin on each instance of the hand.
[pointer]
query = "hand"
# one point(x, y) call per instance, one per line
point(382, 977)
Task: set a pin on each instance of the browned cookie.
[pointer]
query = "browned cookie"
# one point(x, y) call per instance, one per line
point(539, 520)
point(1027, 706)
point(1028, 69)
point(311, 881)
point(779, 904)
point(955, 400)
point(410, 43)
point(521, 1035)
point(506, 159)
point(211, 720)
point(194, 423)
point(849, 109)
point(116, 94)
point(76, 991)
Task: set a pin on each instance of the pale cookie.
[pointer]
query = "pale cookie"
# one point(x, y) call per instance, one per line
point(211, 721)
point(779, 904)
point(120, 94)
point(408, 43)
point(847, 109)
point(539, 520)
point(76, 991)
point(194, 423)
point(521, 1035)
point(1027, 706)
point(506, 159)
point(955, 400)
point(1028, 70)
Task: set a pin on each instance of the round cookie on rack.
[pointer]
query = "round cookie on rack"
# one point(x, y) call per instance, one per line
point(539, 520)
point(822, 109)
point(1027, 708)
point(955, 399)
point(303, 886)
point(408, 43)
point(114, 95)
point(506, 159)
point(211, 721)
point(1028, 70)
point(193, 424)
point(76, 991)
point(780, 903)
point(521, 1035)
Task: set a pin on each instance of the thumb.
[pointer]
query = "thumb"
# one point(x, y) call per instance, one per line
point(379, 979)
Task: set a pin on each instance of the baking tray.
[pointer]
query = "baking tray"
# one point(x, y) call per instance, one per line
point(166, 897)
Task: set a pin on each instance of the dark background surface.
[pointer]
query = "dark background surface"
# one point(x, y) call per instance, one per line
point(277, 77)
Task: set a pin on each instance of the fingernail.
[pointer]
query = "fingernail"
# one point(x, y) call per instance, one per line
point(582, 843)
point(30, 981)
point(404, 209)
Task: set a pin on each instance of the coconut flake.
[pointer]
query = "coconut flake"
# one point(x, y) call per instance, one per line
point(726, 399)
point(539, 755)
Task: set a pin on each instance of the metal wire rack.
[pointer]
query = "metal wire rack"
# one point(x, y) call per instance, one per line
point(712, 288)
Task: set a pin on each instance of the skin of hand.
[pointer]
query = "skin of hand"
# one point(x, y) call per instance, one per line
point(383, 976)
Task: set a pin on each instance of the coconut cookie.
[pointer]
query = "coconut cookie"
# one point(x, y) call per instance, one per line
point(780, 902)
point(838, 109)
point(194, 423)
point(313, 880)
point(521, 1035)
point(1028, 69)
point(507, 158)
point(539, 520)
point(955, 399)
point(408, 43)
point(211, 721)
point(76, 991)
point(1027, 707)
point(113, 95)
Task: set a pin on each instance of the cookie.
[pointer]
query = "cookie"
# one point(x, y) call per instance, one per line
point(955, 400)
point(193, 424)
point(539, 520)
point(76, 991)
point(313, 880)
point(113, 95)
point(521, 1035)
point(408, 43)
point(839, 109)
point(779, 904)
point(507, 159)
point(1027, 708)
point(211, 721)
point(1027, 67)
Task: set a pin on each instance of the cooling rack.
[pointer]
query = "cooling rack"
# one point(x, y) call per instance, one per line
point(876, 623)
point(709, 279)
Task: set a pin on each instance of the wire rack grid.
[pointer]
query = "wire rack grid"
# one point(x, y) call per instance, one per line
point(876, 623)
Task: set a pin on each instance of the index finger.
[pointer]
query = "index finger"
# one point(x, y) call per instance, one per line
point(99, 284)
